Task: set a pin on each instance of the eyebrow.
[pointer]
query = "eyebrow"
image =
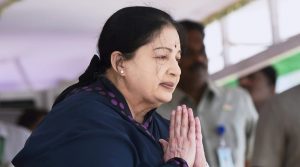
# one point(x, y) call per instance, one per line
point(169, 49)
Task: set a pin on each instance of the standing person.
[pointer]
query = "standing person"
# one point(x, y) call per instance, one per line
point(261, 85)
point(108, 119)
point(12, 140)
point(277, 142)
point(227, 115)
point(14, 136)
point(31, 117)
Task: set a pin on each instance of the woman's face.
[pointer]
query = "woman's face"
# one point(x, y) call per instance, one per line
point(153, 73)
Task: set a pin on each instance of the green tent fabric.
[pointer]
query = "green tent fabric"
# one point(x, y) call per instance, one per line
point(283, 67)
point(288, 65)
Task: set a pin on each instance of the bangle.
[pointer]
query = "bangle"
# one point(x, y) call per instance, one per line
point(178, 161)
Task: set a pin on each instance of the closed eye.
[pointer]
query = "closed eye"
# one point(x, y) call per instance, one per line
point(162, 57)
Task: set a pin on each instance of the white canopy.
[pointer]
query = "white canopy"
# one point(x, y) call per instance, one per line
point(44, 43)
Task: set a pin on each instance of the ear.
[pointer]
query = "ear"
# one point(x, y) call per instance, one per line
point(273, 90)
point(117, 62)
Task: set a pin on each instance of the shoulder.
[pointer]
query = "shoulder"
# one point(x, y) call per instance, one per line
point(241, 99)
point(238, 94)
point(85, 110)
point(83, 102)
point(81, 98)
point(235, 95)
point(283, 103)
point(290, 94)
point(238, 91)
point(227, 91)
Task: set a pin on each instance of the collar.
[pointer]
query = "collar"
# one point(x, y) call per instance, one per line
point(213, 89)
point(107, 89)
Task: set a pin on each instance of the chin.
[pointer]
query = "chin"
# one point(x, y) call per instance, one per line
point(166, 98)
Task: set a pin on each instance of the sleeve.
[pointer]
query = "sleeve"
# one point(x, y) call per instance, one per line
point(251, 122)
point(269, 141)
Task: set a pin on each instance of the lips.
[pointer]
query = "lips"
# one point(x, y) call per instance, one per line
point(168, 85)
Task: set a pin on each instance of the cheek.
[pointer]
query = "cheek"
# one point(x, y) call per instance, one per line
point(259, 86)
point(160, 71)
point(149, 77)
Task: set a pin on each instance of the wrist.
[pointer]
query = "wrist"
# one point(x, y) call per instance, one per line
point(201, 165)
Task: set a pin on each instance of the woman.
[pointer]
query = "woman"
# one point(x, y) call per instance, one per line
point(109, 118)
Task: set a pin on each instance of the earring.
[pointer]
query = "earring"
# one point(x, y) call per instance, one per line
point(122, 72)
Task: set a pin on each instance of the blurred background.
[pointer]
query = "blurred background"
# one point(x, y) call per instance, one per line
point(46, 44)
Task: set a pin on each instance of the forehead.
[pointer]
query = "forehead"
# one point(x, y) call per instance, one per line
point(195, 37)
point(256, 74)
point(168, 36)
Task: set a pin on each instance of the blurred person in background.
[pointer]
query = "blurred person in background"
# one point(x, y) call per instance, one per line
point(30, 118)
point(228, 116)
point(14, 136)
point(277, 142)
point(261, 85)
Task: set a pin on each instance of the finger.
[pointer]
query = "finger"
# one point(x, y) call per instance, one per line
point(164, 144)
point(198, 129)
point(172, 125)
point(191, 132)
point(184, 121)
point(178, 114)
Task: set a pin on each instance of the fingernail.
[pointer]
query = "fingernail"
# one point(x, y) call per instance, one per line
point(179, 108)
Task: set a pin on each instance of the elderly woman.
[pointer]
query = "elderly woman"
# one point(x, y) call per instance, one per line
point(108, 119)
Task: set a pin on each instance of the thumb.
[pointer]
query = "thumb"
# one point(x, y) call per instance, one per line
point(164, 144)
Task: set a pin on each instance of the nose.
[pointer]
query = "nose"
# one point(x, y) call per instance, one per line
point(174, 68)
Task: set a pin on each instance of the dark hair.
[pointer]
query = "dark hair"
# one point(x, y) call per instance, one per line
point(271, 74)
point(189, 25)
point(30, 117)
point(125, 31)
point(186, 26)
point(128, 29)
